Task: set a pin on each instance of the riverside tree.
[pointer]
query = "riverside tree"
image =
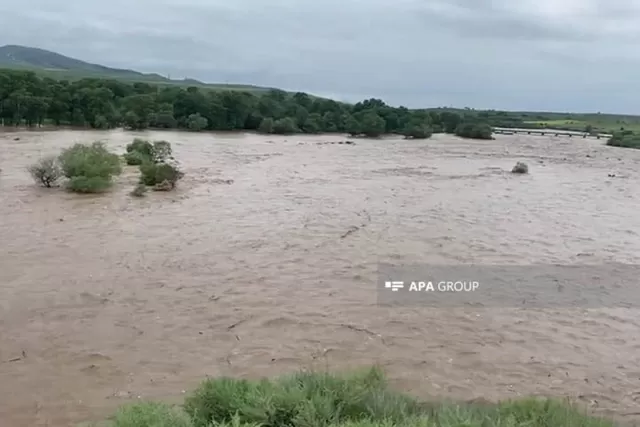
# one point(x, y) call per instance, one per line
point(28, 100)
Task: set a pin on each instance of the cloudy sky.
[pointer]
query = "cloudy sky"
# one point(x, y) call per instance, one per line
point(567, 55)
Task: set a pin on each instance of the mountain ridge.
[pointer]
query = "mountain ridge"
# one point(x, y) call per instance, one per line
point(61, 67)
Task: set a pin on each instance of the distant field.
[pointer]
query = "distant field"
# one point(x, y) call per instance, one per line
point(608, 124)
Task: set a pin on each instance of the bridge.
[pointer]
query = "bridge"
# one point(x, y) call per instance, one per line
point(550, 132)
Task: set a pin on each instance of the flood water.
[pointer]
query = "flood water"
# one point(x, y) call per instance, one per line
point(107, 299)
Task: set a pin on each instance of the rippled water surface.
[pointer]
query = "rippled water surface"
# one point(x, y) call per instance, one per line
point(107, 298)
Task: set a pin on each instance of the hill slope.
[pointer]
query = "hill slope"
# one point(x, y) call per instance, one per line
point(57, 66)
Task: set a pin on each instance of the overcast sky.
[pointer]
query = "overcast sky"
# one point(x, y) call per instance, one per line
point(567, 55)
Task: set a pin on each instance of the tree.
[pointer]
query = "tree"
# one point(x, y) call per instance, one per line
point(46, 171)
point(26, 99)
point(196, 122)
point(474, 130)
point(313, 124)
point(89, 168)
point(353, 126)
point(372, 124)
point(266, 126)
point(285, 126)
point(417, 131)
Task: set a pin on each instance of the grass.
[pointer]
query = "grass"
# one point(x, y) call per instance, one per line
point(359, 399)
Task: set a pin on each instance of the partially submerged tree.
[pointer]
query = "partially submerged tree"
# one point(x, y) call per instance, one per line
point(161, 176)
point(89, 168)
point(46, 171)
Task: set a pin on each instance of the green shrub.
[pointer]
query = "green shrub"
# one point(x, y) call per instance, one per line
point(141, 146)
point(474, 130)
point(89, 160)
point(85, 184)
point(151, 414)
point(266, 125)
point(46, 172)
point(418, 132)
point(153, 174)
point(136, 158)
point(141, 150)
point(625, 139)
point(90, 168)
point(304, 399)
point(196, 122)
point(285, 126)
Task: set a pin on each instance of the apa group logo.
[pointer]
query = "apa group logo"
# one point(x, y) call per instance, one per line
point(394, 286)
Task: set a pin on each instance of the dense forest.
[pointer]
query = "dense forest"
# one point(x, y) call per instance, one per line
point(26, 99)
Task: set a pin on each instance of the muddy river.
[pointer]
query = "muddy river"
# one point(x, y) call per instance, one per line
point(108, 299)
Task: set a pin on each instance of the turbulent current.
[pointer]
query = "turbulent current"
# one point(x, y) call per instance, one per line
point(265, 261)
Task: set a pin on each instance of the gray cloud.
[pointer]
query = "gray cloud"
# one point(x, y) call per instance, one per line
point(566, 55)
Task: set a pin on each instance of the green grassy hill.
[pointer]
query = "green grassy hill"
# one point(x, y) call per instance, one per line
point(56, 66)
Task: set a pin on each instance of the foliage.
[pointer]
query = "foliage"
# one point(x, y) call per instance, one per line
point(86, 184)
point(266, 125)
point(196, 122)
point(151, 414)
point(27, 99)
point(353, 126)
point(46, 171)
point(624, 139)
point(90, 168)
point(139, 191)
point(474, 130)
point(141, 146)
point(285, 126)
point(140, 151)
point(417, 131)
point(155, 174)
point(362, 399)
point(135, 158)
point(372, 124)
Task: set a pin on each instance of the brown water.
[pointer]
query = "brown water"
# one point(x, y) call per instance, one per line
point(112, 298)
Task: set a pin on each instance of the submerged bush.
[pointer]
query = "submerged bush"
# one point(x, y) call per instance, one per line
point(140, 151)
point(86, 184)
point(156, 174)
point(90, 161)
point(90, 168)
point(46, 172)
point(135, 158)
point(417, 132)
point(141, 146)
point(474, 130)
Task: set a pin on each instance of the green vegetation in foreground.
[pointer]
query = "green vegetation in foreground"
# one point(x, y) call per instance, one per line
point(625, 139)
point(27, 99)
point(361, 399)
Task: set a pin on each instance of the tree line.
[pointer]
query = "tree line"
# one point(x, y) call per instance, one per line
point(26, 99)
